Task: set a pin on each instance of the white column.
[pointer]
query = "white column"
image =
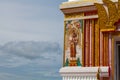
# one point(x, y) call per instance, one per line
point(68, 78)
point(74, 78)
point(78, 78)
point(81, 78)
point(63, 78)
point(90, 77)
point(84, 78)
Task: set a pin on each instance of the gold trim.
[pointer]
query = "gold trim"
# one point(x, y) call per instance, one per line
point(97, 31)
point(64, 45)
point(76, 3)
point(83, 51)
point(107, 30)
point(112, 61)
point(73, 16)
point(93, 40)
point(105, 49)
point(119, 8)
point(83, 17)
point(86, 42)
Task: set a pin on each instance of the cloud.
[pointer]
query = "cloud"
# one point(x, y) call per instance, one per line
point(8, 76)
point(36, 25)
point(33, 59)
point(19, 53)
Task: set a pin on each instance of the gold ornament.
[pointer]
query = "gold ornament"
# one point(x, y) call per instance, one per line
point(119, 8)
point(107, 21)
point(102, 15)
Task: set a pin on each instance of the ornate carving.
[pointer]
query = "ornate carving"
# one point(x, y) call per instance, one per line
point(73, 15)
point(103, 17)
point(73, 41)
point(119, 8)
point(106, 22)
point(113, 13)
point(112, 9)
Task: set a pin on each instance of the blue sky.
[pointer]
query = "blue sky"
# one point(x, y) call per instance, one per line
point(31, 40)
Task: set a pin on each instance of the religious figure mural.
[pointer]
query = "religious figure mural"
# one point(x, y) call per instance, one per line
point(73, 41)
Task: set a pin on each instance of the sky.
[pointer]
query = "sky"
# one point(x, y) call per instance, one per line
point(31, 39)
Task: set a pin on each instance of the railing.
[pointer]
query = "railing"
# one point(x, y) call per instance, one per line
point(84, 73)
point(79, 78)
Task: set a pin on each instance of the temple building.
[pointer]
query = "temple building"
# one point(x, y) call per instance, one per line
point(91, 40)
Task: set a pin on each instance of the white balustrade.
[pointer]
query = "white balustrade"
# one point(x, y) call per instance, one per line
point(83, 73)
point(79, 78)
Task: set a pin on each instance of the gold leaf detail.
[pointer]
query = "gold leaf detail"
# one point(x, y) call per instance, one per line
point(103, 17)
point(113, 13)
point(107, 21)
point(119, 8)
